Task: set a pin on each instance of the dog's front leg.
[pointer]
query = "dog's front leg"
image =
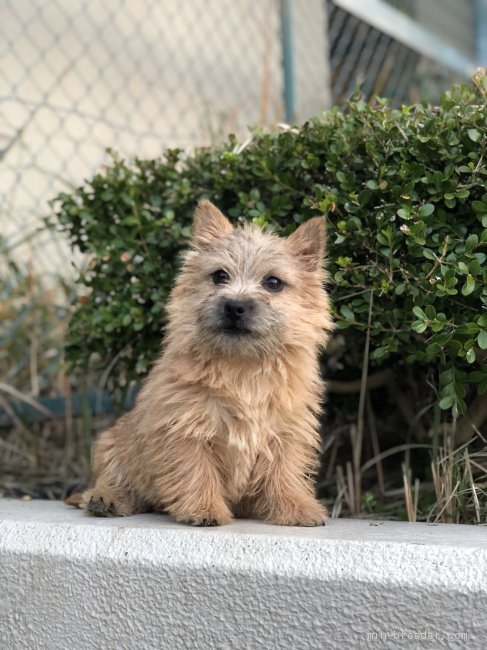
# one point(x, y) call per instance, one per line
point(190, 486)
point(285, 490)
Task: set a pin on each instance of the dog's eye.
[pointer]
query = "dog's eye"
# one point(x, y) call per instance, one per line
point(220, 277)
point(273, 284)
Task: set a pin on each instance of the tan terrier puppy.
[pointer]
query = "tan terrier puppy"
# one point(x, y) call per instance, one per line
point(226, 422)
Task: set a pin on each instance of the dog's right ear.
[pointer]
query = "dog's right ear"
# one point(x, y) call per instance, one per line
point(209, 225)
point(309, 242)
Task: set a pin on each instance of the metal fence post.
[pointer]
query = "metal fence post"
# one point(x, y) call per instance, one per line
point(481, 31)
point(288, 59)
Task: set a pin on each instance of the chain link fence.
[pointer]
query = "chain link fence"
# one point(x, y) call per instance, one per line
point(79, 77)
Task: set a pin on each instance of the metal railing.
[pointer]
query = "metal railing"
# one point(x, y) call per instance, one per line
point(386, 50)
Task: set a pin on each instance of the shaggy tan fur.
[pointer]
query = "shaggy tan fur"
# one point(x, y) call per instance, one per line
point(226, 425)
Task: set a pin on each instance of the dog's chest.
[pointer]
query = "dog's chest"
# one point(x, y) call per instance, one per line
point(247, 413)
point(243, 436)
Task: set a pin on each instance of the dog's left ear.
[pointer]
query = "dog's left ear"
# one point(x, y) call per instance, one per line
point(309, 243)
point(209, 225)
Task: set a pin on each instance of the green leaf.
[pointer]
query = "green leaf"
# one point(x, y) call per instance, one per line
point(429, 254)
point(419, 326)
point(470, 356)
point(446, 402)
point(378, 353)
point(426, 209)
point(437, 325)
point(479, 206)
point(342, 324)
point(474, 135)
point(471, 242)
point(482, 340)
point(469, 286)
point(417, 232)
point(347, 313)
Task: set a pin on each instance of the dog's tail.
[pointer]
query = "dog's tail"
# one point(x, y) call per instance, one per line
point(74, 500)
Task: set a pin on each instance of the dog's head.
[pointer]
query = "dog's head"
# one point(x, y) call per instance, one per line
point(246, 292)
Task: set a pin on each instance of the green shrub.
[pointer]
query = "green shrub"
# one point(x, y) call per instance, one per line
point(405, 192)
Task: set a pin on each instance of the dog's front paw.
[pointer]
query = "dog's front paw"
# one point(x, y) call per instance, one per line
point(206, 517)
point(214, 518)
point(205, 522)
point(305, 514)
point(105, 504)
point(98, 507)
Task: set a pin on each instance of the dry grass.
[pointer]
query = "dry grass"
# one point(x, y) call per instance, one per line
point(460, 483)
point(42, 458)
point(404, 466)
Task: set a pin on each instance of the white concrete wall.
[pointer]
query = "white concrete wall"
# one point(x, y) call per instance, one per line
point(73, 582)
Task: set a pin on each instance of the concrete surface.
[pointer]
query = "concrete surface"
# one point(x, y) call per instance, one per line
point(68, 581)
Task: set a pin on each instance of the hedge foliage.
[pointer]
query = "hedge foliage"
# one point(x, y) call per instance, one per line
point(405, 192)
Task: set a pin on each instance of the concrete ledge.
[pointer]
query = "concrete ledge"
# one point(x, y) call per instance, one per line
point(68, 581)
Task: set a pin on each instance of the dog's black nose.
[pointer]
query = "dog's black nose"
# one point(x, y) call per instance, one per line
point(234, 309)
